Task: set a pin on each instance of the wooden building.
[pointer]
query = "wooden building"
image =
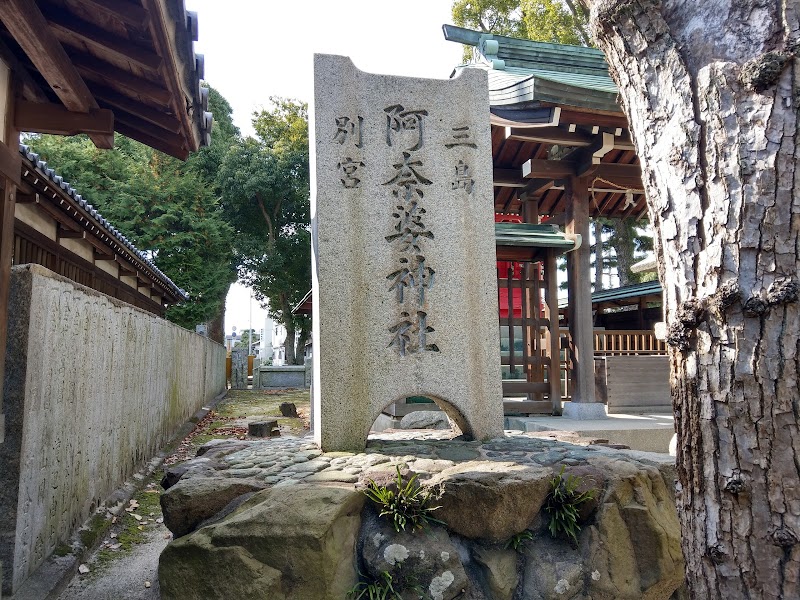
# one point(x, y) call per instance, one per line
point(562, 154)
point(54, 226)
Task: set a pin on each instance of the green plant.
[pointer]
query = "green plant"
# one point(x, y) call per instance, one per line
point(410, 505)
point(562, 504)
point(376, 589)
point(518, 540)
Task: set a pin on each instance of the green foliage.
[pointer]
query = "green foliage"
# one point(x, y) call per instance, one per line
point(375, 589)
point(244, 341)
point(563, 503)
point(408, 506)
point(518, 540)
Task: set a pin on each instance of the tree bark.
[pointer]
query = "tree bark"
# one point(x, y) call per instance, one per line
point(711, 93)
point(598, 255)
point(623, 248)
point(216, 327)
point(289, 342)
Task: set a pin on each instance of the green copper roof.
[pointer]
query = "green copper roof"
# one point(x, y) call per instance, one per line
point(524, 71)
point(531, 236)
point(648, 288)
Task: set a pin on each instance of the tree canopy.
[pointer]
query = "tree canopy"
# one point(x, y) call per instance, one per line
point(540, 20)
point(265, 194)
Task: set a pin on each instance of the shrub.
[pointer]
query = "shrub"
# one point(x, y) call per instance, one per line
point(518, 540)
point(376, 589)
point(409, 505)
point(563, 503)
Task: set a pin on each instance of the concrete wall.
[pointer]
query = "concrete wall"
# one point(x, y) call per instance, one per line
point(93, 388)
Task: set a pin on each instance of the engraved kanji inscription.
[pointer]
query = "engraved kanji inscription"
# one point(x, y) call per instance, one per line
point(412, 274)
point(348, 168)
point(461, 136)
point(409, 228)
point(463, 179)
point(407, 177)
point(411, 334)
point(347, 128)
point(399, 119)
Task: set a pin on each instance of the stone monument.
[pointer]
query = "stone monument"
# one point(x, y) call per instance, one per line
point(238, 369)
point(405, 284)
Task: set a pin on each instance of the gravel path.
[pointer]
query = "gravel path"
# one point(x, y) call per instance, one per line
point(125, 577)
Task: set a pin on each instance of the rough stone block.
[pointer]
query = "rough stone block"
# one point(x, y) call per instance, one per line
point(261, 428)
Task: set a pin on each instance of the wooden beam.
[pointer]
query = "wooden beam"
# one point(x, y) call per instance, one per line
point(98, 255)
point(539, 168)
point(77, 33)
point(127, 12)
point(62, 233)
point(508, 178)
point(124, 267)
point(160, 26)
point(28, 26)
point(101, 72)
point(30, 88)
point(598, 118)
point(153, 142)
point(626, 176)
point(54, 118)
point(169, 139)
point(137, 110)
point(547, 135)
point(11, 163)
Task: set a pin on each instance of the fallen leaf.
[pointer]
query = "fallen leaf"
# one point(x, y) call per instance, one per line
point(137, 517)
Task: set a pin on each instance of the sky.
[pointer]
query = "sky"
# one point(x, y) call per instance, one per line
point(255, 49)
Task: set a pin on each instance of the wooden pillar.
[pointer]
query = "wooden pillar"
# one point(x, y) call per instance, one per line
point(554, 346)
point(529, 211)
point(579, 280)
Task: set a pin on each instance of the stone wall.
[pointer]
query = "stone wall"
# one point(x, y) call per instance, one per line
point(93, 388)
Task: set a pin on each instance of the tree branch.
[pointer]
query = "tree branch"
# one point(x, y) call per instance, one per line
point(270, 225)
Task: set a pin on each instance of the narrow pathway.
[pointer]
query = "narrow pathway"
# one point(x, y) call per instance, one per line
point(125, 566)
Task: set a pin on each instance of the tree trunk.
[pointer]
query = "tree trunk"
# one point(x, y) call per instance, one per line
point(302, 338)
point(216, 327)
point(623, 248)
point(711, 92)
point(288, 323)
point(598, 255)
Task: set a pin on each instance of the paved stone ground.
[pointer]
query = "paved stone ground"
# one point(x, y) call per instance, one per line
point(289, 460)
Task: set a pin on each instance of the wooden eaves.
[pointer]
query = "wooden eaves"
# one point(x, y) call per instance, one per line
point(555, 115)
point(100, 66)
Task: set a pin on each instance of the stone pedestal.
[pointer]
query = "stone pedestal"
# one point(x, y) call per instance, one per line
point(405, 285)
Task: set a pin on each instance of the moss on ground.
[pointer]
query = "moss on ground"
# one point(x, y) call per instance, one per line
point(126, 529)
point(229, 417)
